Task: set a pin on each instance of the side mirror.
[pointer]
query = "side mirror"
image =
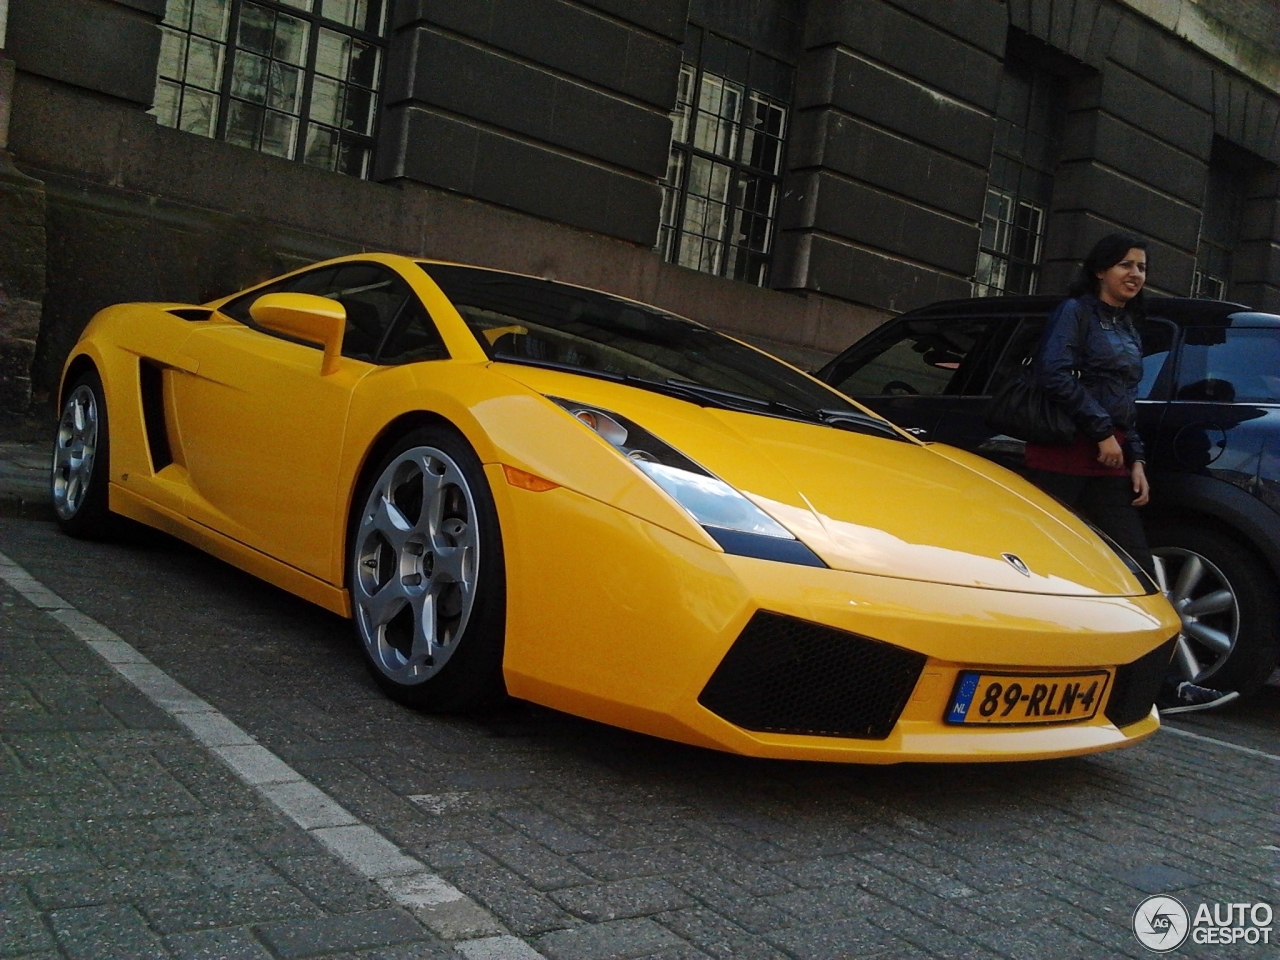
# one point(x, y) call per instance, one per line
point(317, 320)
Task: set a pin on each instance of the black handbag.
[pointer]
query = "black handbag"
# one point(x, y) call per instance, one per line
point(1022, 409)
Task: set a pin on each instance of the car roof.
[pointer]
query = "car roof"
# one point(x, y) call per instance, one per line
point(1184, 311)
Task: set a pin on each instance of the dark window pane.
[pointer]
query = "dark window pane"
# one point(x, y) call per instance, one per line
point(1225, 365)
point(257, 29)
point(244, 124)
point(322, 147)
point(353, 159)
point(414, 338)
point(924, 355)
point(357, 114)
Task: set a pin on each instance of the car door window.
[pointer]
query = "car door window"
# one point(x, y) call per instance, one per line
point(372, 295)
point(414, 337)
point(1157, 342)
point(1019, 347)
point(928, 356)
point(1157, 347)
point(1230, 365)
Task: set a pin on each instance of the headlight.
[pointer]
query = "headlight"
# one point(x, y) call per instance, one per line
point(733, 521)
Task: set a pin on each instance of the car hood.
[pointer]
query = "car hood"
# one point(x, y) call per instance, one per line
point(874, 505)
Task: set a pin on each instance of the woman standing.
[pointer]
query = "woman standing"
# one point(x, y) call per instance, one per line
point(1090, 362)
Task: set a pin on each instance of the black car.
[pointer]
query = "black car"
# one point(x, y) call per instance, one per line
point(1208, 411)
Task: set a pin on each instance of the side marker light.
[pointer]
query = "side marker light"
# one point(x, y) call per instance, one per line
point(527, 481)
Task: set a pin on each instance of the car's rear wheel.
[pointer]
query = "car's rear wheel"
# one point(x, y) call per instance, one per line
point(425, 571)
point(1226, 598)
point(81, 462)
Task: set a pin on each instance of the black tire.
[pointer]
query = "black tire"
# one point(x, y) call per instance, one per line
point(1253, 624)
point(82, 462)
point(463, 672)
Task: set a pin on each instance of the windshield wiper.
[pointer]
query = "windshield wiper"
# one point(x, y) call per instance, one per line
point(557, 365)
point(859, 422)
point(723, 398)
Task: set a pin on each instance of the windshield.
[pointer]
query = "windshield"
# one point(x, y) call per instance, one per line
point(543, 323)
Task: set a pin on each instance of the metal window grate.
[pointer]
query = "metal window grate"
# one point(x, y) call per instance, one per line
point(729, 127)
point(297, 79)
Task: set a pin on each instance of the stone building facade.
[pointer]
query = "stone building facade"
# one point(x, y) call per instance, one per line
point(791, 171)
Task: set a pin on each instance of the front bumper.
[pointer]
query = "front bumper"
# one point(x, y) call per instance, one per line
point(618, 620)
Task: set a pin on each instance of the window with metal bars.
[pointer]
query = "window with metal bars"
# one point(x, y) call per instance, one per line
point(729, 128)
point(297, 79)
point(1029, 118)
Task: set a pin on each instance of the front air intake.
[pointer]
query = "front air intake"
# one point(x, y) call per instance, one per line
point(1137, 684)
point(784, 675)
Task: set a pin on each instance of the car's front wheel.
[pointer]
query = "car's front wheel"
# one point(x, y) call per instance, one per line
point(81, 461)
point(1226, 598)
point(425, 572)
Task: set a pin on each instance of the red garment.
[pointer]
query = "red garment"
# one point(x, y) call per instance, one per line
point(1080, 459)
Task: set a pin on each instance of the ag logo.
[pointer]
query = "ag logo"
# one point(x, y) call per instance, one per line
point(1161, 923)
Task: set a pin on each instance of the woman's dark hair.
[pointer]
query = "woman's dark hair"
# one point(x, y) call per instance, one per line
point(1106, 253)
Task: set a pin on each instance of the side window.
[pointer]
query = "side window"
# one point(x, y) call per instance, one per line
point(414, 337)
point(372, 295)
point(1157, 347)
point(1157, 342)
point(1022, 344)
point(929, 357)
point(1227, 364)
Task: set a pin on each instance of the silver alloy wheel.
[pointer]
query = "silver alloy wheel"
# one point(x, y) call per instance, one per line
point(417, 553)
point(74, 451)
point(1206, 602)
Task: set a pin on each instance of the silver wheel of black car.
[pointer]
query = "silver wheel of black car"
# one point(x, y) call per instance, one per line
point(1227, 606)
point(424, 556)
point(78, 479)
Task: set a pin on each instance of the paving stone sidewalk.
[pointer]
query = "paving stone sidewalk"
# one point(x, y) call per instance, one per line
point(122, 838)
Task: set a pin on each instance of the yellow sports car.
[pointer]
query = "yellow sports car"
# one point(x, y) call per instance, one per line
point(512, 484)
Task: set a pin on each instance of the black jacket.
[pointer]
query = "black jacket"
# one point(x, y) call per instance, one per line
point(1100, 343)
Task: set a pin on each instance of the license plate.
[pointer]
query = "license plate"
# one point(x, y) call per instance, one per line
point(1014, 698)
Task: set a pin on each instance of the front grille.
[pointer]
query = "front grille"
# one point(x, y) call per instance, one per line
point(784, 675)
point(1137, 684)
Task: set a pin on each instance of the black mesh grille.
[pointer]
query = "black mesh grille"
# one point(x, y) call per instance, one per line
point(784, 675)
point(1137, 684)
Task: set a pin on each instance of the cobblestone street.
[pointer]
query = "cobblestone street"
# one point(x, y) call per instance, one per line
point(124, 837)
